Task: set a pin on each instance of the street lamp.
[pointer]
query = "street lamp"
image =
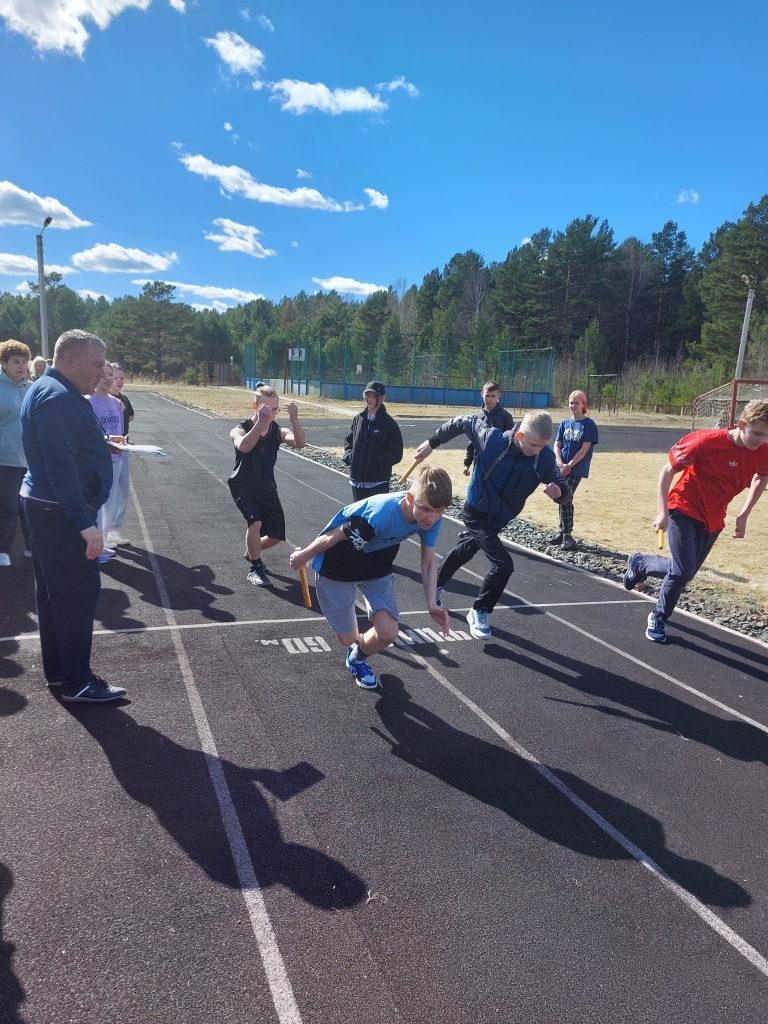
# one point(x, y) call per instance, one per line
point(41, 291)
point(744, 329)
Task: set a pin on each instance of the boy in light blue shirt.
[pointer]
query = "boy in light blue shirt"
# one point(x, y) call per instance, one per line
point(356, 551)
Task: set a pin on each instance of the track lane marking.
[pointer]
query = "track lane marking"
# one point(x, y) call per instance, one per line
point(700, 909)
point(274, 966)
point(303, 618)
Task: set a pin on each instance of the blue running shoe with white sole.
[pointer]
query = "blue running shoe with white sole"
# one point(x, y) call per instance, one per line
point(633, 574)
point(362, 672)
point(657, 629)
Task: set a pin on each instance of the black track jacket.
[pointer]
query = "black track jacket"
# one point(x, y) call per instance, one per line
point(372, 448)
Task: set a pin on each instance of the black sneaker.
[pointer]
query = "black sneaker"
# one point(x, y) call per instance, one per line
point(569, 544)
point(555, 538)
point(258, 575)
point(95, 691)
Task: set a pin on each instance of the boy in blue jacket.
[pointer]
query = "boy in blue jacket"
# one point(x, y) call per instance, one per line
point(509, 466)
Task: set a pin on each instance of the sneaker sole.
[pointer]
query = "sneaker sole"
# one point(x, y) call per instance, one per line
point(91, 700)
point(655, 639)
point(255, 584)
point(367, 686)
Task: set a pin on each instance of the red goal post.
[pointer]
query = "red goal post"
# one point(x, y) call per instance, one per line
point(722, 406)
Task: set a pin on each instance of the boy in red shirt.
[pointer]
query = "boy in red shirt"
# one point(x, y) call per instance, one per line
point(716, 466)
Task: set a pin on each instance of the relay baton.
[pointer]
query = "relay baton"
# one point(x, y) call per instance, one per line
point(408, 471)
point(305, 586)
point(661, 538)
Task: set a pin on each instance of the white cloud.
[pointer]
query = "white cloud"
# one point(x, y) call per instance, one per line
point(525, 241)
point(22, 286)
point(220, 307)
point(236, 179)
point(17, 266)
point(688, 195)
point(303, 174)
point(266, 23)
point(377, 199)
point(399, 83)
point(245, 14)
point(58, 24)
point(206, 291)
point(20, 207)
point(239, 56)
point(86, 293)
point(113, 258)
point(300, 97)
point(239, 238)
point(347, 286)
point(227, 126)
point(295, 245)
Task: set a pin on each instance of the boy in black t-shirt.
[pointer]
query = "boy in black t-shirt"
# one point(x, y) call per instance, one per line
point(252, 481)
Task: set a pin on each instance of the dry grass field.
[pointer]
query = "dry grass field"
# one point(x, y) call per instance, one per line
point(230, 401)
point(616, 506)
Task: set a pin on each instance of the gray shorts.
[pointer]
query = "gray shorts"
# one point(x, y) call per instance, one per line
point(337, 600)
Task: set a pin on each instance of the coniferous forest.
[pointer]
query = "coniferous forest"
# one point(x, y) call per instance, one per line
point(665, 318)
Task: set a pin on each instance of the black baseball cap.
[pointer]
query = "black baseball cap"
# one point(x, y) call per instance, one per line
point(376, 386)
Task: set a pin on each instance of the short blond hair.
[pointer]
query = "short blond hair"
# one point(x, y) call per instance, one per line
point(755, 411)
point(433, 485)
point(265, 391)
point(538, 423)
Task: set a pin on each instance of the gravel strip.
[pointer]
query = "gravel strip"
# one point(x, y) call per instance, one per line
point(708, 600)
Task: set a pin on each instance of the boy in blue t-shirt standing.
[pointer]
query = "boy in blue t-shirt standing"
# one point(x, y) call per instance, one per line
point(356, 551)
point(573, 450)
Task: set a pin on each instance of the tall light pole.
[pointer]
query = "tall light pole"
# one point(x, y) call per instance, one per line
point(744, 329)
point(41, 290)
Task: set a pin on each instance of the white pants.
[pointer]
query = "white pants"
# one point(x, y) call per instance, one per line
point(108, 511)
point(125, 489)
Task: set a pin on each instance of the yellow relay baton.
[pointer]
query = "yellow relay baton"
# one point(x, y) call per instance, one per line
point(660, 534)
point(305, 586)
point(407, 473)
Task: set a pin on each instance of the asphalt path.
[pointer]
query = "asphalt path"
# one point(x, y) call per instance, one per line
point(613, 438)
point(564, 824)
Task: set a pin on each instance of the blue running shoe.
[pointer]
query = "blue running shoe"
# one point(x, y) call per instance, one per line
point(633, 575)
point(657, 629)
point(362, 672)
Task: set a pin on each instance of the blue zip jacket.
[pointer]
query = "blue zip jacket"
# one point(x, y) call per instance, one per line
point(66, 450)
point(512, 480)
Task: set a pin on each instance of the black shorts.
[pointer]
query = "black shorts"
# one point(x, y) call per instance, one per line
point(264, 508)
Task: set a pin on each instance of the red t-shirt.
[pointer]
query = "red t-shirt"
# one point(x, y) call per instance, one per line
point(715, 470)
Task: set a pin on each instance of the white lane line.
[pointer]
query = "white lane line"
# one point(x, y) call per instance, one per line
point(712, 920)
point(274, 966)
point(302, 618)
point(636, 661)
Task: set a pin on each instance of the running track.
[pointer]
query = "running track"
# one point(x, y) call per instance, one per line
point(565, 824)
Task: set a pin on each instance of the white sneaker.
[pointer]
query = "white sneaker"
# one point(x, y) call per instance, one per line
point(4, 559)
point(27, 554)
point(115, 538)
point(478, 624)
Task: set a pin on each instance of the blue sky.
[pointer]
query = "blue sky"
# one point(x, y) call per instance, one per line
point(470, 126)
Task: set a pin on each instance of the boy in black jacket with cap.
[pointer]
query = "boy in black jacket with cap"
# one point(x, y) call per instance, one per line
point(373, 445)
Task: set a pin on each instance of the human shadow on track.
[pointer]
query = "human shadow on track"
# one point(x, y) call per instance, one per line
point(498, 777)
point(11, 702)
point(190, 588)
point(12, 994)
point(736, 739)
point(751, 662)
point(173, 781)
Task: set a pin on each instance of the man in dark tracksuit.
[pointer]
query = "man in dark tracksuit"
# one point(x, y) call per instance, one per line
point(372, 446)
point(509, 466)
point(68, 479)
